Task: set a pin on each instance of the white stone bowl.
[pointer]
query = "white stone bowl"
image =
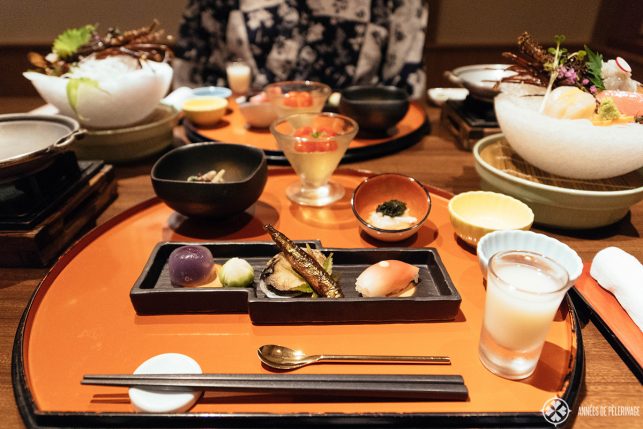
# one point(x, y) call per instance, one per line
point(121, 100)
point(573, 148)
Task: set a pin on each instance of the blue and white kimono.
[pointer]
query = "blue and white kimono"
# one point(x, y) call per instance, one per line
point(337, 42)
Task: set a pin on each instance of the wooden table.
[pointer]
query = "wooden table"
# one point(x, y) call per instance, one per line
point(436, 161)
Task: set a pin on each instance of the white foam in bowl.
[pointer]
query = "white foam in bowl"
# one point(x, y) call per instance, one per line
point(573, 148)
point(149, 400)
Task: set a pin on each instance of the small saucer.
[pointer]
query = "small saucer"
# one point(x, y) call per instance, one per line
point(439, 96)
point(150, 400)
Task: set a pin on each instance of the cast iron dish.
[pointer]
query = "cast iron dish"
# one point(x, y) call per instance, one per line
point(374, 108)
point(27, 142)
point(246, 173)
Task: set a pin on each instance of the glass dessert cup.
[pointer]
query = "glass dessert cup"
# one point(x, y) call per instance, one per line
point(314, 144)
point(524, 291)
point(298, 96)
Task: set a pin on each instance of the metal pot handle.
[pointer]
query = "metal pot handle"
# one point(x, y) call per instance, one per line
point(453, 78)
point(66, 140)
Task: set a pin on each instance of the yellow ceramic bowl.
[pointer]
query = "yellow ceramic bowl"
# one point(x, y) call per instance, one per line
point(205, 111)
point(474, 214)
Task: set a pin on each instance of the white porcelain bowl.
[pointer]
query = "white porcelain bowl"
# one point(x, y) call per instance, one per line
point(573, 148)
point(500, 241)
point(120, 100)
point(258, 114)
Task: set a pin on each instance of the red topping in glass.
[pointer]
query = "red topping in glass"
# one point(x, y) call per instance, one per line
point(307, 142)
point(298, 99)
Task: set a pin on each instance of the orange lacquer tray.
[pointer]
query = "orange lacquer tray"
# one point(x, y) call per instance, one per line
point(233, 129)
point(81, 321)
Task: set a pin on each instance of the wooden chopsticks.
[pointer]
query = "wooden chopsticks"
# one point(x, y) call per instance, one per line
point(418, 387)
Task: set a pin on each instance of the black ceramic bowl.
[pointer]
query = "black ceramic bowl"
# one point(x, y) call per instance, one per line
point(246, 173)
point(374, 108)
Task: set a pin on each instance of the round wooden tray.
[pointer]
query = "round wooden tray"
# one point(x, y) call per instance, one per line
point(80, 320)
point(233, 129)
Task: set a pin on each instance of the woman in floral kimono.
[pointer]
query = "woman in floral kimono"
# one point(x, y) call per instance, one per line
point(338, 42)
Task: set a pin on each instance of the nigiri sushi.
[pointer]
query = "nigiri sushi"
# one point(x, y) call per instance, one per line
point(628, 103)
point(387, 278)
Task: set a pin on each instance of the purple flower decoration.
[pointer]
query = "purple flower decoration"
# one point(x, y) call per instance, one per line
point(568, 75)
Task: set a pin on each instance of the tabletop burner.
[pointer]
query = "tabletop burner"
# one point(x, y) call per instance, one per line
point(469, 120)
point(477, 113)
point(45, 210)
point(26, 199)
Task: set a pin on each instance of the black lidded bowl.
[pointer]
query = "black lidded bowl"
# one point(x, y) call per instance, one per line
point(374, 108)
point(246, 173)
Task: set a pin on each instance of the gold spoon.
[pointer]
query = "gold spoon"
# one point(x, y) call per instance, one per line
point(281, 357)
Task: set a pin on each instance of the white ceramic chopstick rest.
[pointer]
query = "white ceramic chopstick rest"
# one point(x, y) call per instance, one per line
point(150, 400)
point(622, 274)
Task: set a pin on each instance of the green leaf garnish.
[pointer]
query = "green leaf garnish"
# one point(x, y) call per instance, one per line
point(328, 264)
point(552, 67)
point(304, 287)
point(392, 208)
point(594, 65)
point(73, 85)
point(68, 42)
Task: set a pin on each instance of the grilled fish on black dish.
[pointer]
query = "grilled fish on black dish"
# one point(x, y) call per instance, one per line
point(280, 280)
point(306, 265)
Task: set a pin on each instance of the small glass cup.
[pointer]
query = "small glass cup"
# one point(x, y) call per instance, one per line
point(524, 291)
point(239, 74)
point(314, 144)
point(297, 96)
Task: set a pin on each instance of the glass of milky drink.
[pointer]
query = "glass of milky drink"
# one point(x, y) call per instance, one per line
point(239, 75)
point(524, 291)
point(314, 144)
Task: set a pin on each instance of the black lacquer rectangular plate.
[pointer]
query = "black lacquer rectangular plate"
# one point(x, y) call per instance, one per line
point(435, 298)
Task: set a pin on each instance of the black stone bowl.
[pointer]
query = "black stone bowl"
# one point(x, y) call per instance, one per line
point(374, 108)
point(246, 173)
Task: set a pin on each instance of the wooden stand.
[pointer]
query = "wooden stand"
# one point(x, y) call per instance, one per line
point(43, 243)
point(466, 134)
